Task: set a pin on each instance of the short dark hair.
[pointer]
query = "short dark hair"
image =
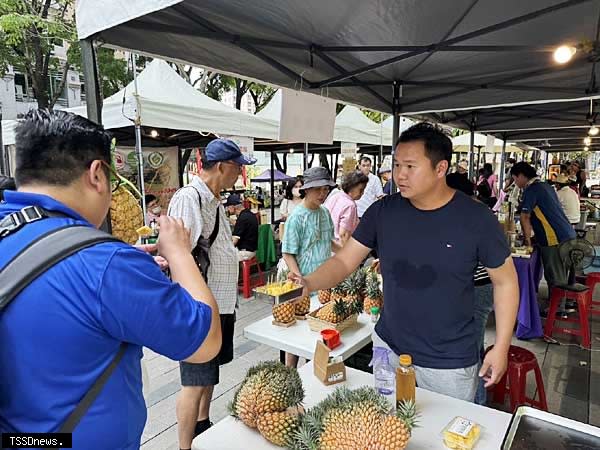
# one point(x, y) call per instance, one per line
point(57, 147)
point(149, 198)
point(438, 146)
point(522, 168)
point(290, 185)
point(354, 179)
point(365, 159)
point(6, 184)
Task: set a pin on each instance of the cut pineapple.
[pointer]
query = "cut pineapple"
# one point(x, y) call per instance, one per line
point(144, 231)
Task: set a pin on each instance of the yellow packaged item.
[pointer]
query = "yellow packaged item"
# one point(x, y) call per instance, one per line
point(144, 231)
point(461, 434)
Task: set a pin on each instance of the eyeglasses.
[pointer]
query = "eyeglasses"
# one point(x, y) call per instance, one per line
point(115, 179)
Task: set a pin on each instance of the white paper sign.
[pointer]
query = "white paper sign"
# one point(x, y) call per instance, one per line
point(489, 144)
point(348, 149)
point(306, 118)
point(246, 144)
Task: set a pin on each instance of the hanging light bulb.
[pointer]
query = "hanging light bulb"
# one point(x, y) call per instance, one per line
point(594, 130)
point(564, 53)
point(154, 134)
point(586, 148)
point(291, 150)
point(587, 141)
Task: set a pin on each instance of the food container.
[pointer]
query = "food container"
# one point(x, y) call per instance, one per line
point(331, 338)
point(531, 428)
point(260, 293)
point(317, 324)
point(461, 434)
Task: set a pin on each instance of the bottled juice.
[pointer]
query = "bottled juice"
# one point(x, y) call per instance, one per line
point(406, 381)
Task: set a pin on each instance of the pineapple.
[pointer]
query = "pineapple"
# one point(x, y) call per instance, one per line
point(334, 311)
point(284, 312)
point(268, 387)
point(338, 292)
point(302, 306)
point(324, 296)
point(374, 296)
point(352, 288)
point(278, 427)
point(356, 419)
point(125, 215)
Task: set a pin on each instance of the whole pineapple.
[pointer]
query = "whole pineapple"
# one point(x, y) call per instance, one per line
point(338, 292)
point(302, 306)
point(352, 288)
point(268, 387)
point(374, 295)
point(284, 312)
point(125, 215)
point(356, 419)
point(334, 311)
point(278, 427)
point(324, 296)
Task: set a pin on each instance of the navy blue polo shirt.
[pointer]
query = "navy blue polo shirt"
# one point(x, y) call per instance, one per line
point(427, 261)
point(548, 219)
point(63, 330)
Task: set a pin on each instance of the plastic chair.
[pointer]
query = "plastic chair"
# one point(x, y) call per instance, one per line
point(582, 295)
point(514, 382)
point(591, 280)
point(247, 284)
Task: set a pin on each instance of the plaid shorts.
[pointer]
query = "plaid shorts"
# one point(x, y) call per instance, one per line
point(207, 374)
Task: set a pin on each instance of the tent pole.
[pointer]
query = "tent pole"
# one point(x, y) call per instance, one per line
point(478, 160)
point(546, 166)
point(502, 163)
point(305, 155)
point(471, 146)
point(395, 127)
point(3, 169)
point(138, 140)
point(272, 182)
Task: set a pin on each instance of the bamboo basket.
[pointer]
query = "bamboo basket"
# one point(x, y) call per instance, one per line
point(316, 324)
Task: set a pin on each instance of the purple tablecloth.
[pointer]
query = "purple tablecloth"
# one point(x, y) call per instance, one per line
point(529, 271)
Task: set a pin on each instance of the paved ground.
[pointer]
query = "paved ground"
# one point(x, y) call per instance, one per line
point(571, 376)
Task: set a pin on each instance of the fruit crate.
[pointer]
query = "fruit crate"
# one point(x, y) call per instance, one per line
point(276, 299)
point(317, 324)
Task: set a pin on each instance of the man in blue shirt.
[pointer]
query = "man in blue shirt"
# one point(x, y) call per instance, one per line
point(542, 214)
point(430, 238)
point(65, 327)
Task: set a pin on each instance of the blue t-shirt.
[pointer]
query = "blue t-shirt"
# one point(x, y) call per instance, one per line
point(64, 328)
point(548, 219)
point(427, 261)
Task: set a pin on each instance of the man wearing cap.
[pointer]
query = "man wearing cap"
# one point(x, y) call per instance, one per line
point(385, 172)
point(245, 231)
point(569, 200)
point(199, 205)
point(308, 236)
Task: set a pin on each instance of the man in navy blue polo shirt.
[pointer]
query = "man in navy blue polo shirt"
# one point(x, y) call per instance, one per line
point(430, 238)
point(65, 327)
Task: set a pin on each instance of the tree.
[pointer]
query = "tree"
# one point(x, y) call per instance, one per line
point(375, 116)
point(29, 33)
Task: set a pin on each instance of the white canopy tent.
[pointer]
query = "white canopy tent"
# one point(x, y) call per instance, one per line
point(462, 144)
point(165, 100)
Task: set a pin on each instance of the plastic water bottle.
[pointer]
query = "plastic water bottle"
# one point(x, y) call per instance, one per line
point(385, 375)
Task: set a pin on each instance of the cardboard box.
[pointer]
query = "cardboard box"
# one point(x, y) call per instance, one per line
point(329, 373)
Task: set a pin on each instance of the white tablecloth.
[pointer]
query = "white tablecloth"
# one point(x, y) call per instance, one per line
point(300, 340)
point(436, 411)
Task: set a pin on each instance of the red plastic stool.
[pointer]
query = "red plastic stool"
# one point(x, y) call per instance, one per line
point(582, 295)
point(591, 280)
point(247, 284)
point(520, 362)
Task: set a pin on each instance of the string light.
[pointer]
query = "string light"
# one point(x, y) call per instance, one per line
point(154, 133)
point(594, 130)
point(587, 141)
point(586, 148)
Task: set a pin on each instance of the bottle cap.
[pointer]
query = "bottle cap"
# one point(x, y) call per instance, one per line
point(405, 360)
point(374, 309)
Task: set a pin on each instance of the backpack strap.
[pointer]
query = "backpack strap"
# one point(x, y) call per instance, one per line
point(215, 231)
point(35, 259)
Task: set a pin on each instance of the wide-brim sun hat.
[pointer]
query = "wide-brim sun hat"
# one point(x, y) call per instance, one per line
point(316, 177)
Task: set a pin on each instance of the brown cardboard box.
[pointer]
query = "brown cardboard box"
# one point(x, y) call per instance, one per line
point(328, 373)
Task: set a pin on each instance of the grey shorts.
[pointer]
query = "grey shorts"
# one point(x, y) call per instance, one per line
point(458, 383)
point(207, 374)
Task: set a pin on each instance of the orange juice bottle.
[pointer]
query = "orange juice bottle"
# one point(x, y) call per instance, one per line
point(406, 381)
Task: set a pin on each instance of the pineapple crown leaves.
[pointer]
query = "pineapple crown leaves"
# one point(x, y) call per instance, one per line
point(373, 290)
point(340, 308)
point(356, 307)
point(276, 375)
point(408, 413)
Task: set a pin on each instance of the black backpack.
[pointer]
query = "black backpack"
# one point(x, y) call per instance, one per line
point(35, 259)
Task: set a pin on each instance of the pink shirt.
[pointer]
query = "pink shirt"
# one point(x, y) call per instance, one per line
point(343, 212)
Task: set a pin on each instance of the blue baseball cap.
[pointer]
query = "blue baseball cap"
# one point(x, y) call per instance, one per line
point(226, 150)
